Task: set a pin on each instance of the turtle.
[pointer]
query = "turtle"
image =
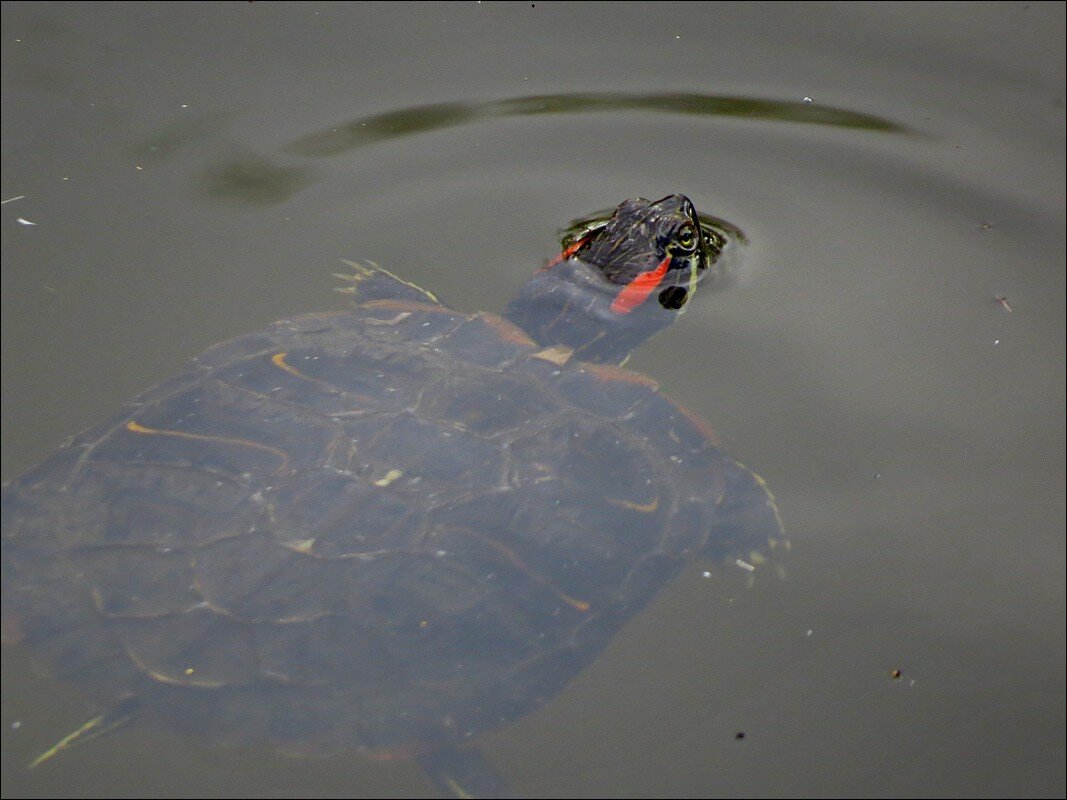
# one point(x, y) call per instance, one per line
point(389, 528)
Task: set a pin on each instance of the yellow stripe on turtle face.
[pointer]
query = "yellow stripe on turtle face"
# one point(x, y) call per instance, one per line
point(693, 273)
point(691, 286)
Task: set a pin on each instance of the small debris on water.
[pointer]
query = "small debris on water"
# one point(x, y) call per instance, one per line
point(744, 565)
point(16, 724)
point(705, 574)
point(896, 674)
point(1002, 301)
point(22, 221)
point(12, 199)
point(739, 735)
point(807, 100)
point(985, 226)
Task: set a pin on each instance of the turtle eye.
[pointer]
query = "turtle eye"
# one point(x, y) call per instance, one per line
point(686, 239)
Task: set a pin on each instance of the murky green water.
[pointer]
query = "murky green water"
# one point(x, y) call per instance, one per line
point(196, 171)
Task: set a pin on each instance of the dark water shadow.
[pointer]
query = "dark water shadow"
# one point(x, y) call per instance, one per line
point(259, 180)
point(254, 180)
point(420, 119)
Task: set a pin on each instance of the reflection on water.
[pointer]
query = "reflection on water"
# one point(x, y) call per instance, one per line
point(258, 181)
point(409, 121)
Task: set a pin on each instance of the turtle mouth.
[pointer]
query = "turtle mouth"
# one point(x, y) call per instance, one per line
point(674, 298)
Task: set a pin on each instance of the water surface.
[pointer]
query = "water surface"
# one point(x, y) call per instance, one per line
point(196, 171)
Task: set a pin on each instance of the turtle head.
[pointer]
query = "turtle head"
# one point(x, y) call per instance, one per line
point(617, 281)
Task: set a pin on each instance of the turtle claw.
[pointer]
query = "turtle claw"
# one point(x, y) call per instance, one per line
point(749, 527)
point(369, 281)
point(463, 773)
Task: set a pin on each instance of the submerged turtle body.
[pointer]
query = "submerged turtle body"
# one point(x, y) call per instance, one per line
point(386, 529)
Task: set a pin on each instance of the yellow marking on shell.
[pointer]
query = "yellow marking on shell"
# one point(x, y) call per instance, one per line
point(97, 726)
point(388, 478)
point(136, 427)
point(645, 508)
point(782, 542)
point(66, 741)
point(361, 273)
point(409, 305)
point(98, 600)
point(102, 609)
point(400, 317)
point(170, 680)
point(458, 790)
point(546, 474)
point(580, 605)
point(508, 331)
point(513, 558)
point(278, 360)
point(614, 374)
point(558, 355)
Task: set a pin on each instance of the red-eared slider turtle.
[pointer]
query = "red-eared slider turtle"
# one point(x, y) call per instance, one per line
point(390, 528)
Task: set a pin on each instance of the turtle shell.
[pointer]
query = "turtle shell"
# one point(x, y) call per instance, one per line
point(388, 529)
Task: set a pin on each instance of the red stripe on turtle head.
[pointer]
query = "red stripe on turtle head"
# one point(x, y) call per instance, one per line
point(637, 291)
point(569, 251)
